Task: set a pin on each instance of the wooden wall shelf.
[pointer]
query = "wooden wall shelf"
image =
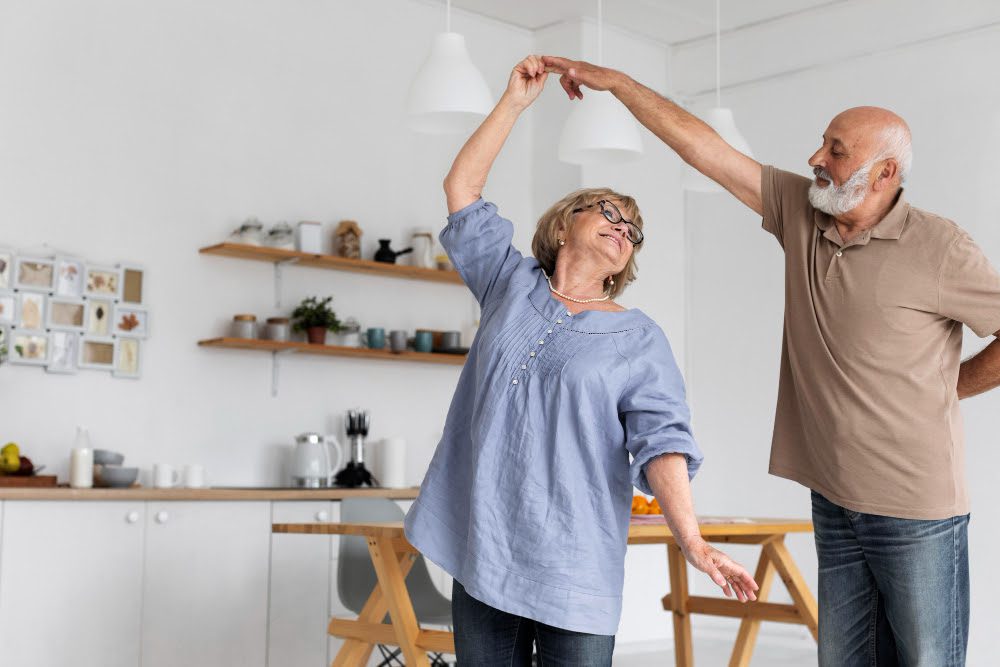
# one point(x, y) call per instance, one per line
point(332, 350)
point(279, 256)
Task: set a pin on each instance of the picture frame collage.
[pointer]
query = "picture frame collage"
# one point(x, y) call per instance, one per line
point(66, 314)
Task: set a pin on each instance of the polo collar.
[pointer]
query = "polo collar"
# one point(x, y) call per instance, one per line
point(890, 227)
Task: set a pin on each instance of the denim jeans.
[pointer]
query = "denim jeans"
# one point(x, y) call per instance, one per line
point(891, 591)
point(488, 637)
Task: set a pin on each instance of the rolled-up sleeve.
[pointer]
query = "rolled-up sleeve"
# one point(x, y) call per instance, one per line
point(478, 242)
point(654, 410)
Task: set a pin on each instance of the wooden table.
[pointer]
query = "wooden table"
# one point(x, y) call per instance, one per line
point(393, 556)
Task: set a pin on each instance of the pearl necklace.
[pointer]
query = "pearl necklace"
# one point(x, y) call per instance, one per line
point(569, 298)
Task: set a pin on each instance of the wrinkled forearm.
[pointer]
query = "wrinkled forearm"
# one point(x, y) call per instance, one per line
point(981, 372)
point(668, 477)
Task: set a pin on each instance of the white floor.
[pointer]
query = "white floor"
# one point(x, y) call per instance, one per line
point(715, 653)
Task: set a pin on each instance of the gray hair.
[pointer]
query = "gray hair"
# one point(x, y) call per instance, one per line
point(896, 145)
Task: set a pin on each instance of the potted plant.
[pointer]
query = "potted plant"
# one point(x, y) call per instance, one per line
point(315, 317)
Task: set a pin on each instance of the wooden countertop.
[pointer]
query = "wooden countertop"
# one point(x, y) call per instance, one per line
point(219, 493)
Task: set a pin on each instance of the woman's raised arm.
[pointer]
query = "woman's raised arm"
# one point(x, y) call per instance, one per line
point(464, 183)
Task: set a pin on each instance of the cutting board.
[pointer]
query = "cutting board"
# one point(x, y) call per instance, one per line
point(27, 480)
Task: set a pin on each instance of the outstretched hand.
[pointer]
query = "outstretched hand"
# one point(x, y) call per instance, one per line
point(576, 73)
point(526, 81)
point(727, 574)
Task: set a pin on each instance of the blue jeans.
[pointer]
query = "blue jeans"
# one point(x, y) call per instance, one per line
point(488, 637)
point(891, 591)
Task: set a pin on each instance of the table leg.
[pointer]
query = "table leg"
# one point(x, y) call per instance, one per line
point(747, 635)
point(796, 585)
point(354, 651)
point(683, 649)
point(393, 584)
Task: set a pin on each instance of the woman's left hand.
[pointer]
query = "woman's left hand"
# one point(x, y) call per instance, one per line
point(526, 81)
point(729, 575)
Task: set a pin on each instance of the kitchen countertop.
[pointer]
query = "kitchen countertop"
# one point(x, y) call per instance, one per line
point(218, 493)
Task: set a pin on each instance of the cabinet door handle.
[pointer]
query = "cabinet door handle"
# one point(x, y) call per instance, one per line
point(162, 517)
point(322, 515)
point(132, 517)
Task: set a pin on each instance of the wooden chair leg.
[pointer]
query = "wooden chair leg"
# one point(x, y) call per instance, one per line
point(354, 651)
point(683, 649)
point(393, 585)
point(746, 638)
point(796, 585)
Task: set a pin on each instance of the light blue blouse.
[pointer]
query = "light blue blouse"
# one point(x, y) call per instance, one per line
point(528, 497)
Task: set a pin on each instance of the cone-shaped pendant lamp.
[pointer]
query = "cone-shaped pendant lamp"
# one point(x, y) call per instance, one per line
point(600, 129)
point(449, 94)
point(722, 121)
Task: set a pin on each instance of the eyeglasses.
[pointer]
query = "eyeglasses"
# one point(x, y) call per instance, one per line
point(614, 216)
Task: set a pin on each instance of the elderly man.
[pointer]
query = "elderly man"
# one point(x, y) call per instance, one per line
point(876, 292)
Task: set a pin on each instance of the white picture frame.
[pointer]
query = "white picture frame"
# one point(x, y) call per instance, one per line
point(133, 284)
point(100, 317)
point(130, 322)
point(97, 353)
point(31, 309)
point(6, 269)
point(102, 281)
point(37, 274)
point(28, 348)
point(64, 352)
point(4, 341)
point(64, 314)
point(8, 308)
point(70, 273)
point(128, 357)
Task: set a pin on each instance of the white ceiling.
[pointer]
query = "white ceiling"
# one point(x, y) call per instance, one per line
point(668, 21)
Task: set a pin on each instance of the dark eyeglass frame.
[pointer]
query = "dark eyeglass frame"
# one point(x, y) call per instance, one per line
point(614, 216)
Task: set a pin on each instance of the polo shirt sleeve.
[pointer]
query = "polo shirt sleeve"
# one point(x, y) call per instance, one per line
point(654, 410)
point(969, 287)
point(785, 198)
point(478, 242)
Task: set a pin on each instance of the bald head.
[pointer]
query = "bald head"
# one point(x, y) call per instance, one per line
point(874, 134)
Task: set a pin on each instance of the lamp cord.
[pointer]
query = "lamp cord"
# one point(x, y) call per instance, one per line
point(718, 58)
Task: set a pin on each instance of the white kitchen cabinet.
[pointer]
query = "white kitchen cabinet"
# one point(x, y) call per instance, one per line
point(205, 584)
point(70, 583)
point(300, 588)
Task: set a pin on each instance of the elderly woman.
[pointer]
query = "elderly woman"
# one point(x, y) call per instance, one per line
point(527, 500)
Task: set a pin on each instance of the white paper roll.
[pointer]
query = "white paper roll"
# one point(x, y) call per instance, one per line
point(392, 463)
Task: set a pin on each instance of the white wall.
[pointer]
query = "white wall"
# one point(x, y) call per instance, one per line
point(943, 88)
point(142, 132)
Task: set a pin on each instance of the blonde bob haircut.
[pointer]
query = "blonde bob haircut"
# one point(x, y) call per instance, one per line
point(545, 245)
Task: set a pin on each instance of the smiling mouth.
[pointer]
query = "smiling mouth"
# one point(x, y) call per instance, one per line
point(616, 241)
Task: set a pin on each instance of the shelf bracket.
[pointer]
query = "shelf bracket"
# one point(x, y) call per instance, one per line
point(274, 369)
point(277, 278)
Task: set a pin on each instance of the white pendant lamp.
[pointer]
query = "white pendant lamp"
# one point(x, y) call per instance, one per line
point(449, 94)
point(599, 130)
point(721, 120)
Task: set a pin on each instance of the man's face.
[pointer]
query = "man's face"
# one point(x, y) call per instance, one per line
point(842, 167)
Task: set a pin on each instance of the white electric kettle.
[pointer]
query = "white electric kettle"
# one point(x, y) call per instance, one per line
point(311, 466)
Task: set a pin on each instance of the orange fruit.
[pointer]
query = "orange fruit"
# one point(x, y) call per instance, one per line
point(654, 507)
point(639, 505)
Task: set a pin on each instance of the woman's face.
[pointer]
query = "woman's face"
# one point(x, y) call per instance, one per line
point(607, 242)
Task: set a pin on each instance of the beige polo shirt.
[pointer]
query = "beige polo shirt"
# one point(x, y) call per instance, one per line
point(867, 410)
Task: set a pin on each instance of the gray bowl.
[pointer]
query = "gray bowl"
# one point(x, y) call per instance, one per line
point(115, 476)
point(106, 457)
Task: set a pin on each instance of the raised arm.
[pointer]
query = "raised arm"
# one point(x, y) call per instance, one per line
point(464, 183)
point(692, 139)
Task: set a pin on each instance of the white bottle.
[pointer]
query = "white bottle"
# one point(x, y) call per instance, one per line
point(81, 461)
point(423, 249)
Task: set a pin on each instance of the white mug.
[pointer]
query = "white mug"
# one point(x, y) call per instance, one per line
point(194, 476)
point(164, 476)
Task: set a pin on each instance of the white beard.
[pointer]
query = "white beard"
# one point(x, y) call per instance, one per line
point(837, 200)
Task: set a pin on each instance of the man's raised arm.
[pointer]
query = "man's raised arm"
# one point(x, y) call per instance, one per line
point(693, 140)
